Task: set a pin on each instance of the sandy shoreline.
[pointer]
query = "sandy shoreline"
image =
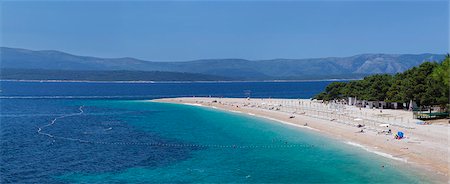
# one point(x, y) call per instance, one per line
point(425, 146)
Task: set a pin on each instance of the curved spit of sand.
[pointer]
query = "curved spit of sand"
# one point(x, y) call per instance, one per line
point(425, 146)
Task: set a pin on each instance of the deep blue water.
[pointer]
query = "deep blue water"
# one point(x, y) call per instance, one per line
point(110, 133)
point(159, 90)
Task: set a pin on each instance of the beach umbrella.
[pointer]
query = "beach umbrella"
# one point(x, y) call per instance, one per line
point(410, 105)
point(400, 135)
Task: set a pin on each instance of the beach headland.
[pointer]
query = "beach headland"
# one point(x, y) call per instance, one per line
point(424, 147)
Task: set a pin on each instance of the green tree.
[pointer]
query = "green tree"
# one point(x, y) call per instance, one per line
point(377, 87)
point(442, 71)
point(426, 84)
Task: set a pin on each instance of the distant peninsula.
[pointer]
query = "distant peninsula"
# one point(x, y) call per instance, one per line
point(94, 75)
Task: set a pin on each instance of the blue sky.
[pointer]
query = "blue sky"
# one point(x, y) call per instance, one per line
point(188, 30)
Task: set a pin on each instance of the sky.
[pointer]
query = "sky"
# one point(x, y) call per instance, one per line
point(189, 30)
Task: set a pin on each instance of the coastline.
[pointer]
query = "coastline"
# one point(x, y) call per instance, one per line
point(425, 146)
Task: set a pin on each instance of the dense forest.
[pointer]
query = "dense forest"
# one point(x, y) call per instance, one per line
point(427, 84)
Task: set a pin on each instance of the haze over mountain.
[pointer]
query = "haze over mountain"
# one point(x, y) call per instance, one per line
point(237, 69)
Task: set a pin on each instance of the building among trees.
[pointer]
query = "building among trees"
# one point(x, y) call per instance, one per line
point(422, 88)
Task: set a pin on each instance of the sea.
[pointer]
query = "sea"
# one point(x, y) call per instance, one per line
point(106, 132)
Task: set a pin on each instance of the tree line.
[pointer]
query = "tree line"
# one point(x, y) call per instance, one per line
point(427, 85)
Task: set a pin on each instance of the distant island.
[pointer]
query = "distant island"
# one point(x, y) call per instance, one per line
point(98, 75)
point(23, 64)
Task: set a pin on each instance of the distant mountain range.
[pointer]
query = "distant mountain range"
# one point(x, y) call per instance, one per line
point(220, 69)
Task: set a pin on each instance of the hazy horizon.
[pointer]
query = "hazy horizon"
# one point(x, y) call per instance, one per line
point(184, 31)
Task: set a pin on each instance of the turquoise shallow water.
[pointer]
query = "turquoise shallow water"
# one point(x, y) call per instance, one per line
point(314, 159)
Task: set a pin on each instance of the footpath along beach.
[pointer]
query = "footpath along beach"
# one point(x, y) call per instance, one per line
point(424, 146)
